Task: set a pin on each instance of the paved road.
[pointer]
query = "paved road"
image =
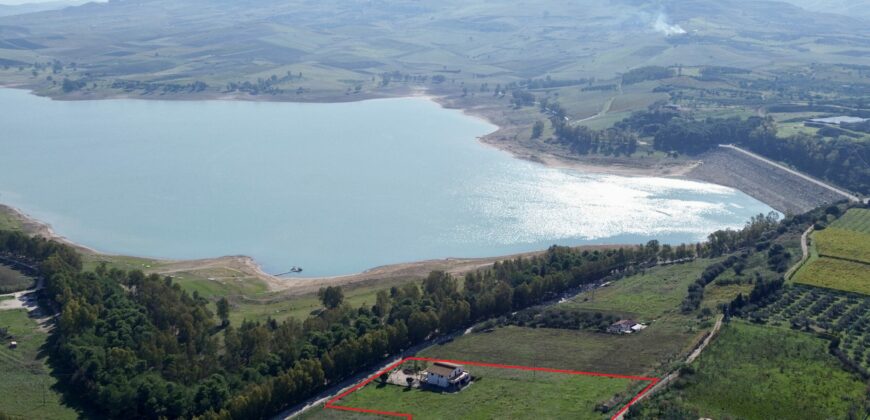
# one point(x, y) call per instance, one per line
point(846, 194)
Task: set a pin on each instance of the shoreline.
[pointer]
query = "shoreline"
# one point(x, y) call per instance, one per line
point(498, 138)
point(248, 267)
point(285, 286)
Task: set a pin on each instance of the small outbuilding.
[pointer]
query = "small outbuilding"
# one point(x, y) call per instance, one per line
point(13, 344)
point(625, 326)
point(447, 375)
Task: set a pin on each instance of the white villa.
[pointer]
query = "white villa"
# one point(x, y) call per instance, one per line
point(447, 375)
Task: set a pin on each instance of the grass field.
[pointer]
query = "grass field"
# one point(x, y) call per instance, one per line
point(857, 220)
point(760, 372)
point(652, 297)
point(498, 393)
point(840, 255)
point(662, 343)
point(835, 274)
point(842, 243)
point(651, 294)
point(13, 281)
point(300, 307)
point(25, 383)
point(8, 221)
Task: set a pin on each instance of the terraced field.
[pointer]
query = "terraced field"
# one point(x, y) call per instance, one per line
point(843, 244)
point(857, 220)
point(848, 237)
point(836, 274)
point(840, 255)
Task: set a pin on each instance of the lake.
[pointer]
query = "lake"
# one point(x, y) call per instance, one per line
point(334, 188)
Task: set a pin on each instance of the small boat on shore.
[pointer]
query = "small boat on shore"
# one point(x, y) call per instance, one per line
point(293, 270)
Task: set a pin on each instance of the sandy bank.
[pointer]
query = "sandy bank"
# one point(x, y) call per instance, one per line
point(239, 267)
point(511, 135)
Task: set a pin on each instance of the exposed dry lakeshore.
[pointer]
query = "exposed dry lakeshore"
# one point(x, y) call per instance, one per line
point(513, 136)
point(242, 268)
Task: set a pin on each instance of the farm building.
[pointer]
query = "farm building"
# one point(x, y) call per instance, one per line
point(13, 344)
point(447, 375)
point(625, 326)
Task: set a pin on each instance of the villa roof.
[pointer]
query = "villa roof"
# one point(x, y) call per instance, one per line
point(447, 365)
point(443, 369)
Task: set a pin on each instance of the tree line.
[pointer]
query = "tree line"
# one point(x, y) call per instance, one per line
point(840, 160)
point(138, 345)
point(584, 140)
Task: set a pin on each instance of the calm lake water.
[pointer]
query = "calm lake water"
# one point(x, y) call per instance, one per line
point(334, 188)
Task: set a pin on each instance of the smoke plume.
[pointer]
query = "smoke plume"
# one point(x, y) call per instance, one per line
point(661, 25)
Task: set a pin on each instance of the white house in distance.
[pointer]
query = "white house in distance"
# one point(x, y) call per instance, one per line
point(447, 375)
point(625, 326)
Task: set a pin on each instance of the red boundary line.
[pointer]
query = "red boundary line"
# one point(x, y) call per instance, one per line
point(331, 403)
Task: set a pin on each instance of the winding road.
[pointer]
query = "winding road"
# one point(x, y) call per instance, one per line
point(805, 250)
point(697, 353)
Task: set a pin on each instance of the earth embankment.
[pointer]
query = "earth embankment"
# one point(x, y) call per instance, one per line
point(777, 188)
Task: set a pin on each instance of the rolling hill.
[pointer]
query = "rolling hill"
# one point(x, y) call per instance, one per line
point(339, 43)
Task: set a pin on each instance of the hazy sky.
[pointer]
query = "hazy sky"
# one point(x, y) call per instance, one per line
point(22, 1)
point(13, 2)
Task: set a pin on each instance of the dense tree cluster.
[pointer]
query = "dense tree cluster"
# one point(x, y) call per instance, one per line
point(691, 136)
point(548, 82)
point(399, 77)
point(269, 85)
point(584, 140)
point(764, 292)
point(840, 160)
point(154, 87)
point(761, 229)
point(644, 74)
point(521, 98)
point(559, 318)
point(716, 72)
point(600, 88)
point(70, 85)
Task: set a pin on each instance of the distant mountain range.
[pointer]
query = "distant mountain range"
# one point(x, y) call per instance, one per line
point(20, 9)
point(853, 8)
